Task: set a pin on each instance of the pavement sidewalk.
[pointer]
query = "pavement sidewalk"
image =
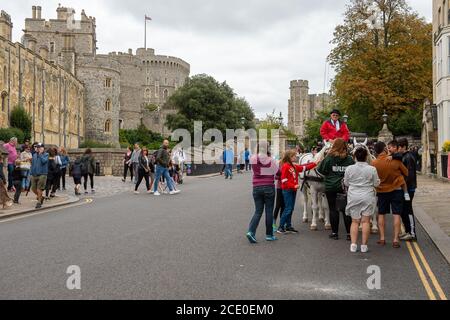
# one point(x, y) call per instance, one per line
point(27, 204)
point(432, 210)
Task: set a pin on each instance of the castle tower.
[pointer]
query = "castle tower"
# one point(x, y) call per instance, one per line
point(5, 26)
point(298, 106)
point(303, 106)
point(54, 33)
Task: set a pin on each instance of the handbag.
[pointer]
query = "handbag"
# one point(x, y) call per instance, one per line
point(341, 198)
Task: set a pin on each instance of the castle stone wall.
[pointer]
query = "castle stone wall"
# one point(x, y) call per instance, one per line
point(52, 96)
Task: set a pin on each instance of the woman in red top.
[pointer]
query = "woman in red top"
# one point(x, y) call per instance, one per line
point(290, 185)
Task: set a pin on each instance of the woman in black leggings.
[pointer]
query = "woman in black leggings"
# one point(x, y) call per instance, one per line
point(143, 171)
point(88, 169)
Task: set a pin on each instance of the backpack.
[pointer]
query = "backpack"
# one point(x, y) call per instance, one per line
point(76, 168)
point(84, 166)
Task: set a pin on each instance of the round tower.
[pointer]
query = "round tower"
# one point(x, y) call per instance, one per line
point(101, 78)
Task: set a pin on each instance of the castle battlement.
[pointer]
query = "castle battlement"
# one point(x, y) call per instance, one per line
point(299, 83)
point(5, 17)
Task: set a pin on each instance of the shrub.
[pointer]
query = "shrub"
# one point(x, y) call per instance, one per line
point(8, 133)
point(446, 146)
point(21, 120)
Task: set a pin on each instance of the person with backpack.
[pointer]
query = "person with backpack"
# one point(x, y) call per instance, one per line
point(333, 169)
point(64, 163)
point(88, 169)
point(75, 169)
point(53, 174)
point(39, 171)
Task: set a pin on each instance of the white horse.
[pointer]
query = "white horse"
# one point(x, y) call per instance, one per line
point(313, 190)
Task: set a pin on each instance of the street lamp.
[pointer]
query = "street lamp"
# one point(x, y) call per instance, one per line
point(345, 117)
point(280, 119)
point(385, 117)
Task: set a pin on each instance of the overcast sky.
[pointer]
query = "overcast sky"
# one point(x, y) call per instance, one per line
point(257, 46)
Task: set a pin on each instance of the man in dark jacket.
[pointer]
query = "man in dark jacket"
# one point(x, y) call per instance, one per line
point(162, 165)
point(411, 182)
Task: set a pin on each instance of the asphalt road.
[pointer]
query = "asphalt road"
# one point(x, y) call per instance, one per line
point(193, 246)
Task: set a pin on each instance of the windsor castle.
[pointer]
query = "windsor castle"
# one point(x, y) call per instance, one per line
point(73, 94)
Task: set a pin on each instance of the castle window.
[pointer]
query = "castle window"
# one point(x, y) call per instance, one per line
point(120, 124)
point(50, 115)
point(108, 82)
point(166, 94)
point(108, 105)
point(108, 126)
point(165, 81)
point(157, 89)
point(5, 76)
point(52, 47)
point(3, 101)
point(30, 108)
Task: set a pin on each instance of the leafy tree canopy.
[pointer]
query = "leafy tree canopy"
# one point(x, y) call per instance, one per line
point(202, 98)
point(384, 68)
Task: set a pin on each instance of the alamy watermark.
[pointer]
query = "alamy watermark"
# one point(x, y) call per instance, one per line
point(74, 280)
point(374, 280)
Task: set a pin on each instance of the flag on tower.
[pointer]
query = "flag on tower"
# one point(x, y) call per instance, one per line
point(147, 18)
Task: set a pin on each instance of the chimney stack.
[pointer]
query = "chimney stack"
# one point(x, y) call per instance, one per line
point(33, 12)
point(38, 12)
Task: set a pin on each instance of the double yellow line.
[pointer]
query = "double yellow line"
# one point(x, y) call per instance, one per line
point(423, 277)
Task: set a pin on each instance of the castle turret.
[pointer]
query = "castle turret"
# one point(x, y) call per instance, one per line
point(5, 25)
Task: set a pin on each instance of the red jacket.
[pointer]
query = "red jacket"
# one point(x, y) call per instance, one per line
point(289, 174)
point(328, 131)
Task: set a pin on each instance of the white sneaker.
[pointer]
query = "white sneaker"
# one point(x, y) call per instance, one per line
point(174, 192)
point(157, 193)
point(364, 248)
point(136, 192)
point(354, 248)
point(407, 197)
point(150, 192)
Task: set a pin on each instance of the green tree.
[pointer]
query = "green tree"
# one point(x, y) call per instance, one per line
point(204, 99)
point(21, 120)
point(384, 68)
point(271, 122)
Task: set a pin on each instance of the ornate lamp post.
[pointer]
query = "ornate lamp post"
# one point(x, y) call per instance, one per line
point(345, 118)
point(385, 134)
point(280, 119)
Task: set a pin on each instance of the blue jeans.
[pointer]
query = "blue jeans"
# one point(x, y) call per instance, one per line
point(264, 197)
point(161, 171)
point(10, 175)
point(25, 179)
point(228, 170)
point(289, 197)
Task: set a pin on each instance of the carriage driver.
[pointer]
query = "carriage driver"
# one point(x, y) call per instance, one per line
point(334, 128)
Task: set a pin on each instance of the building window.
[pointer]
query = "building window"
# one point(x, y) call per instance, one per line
point(156, 89)
point(108, 83)
point(166, 94)
point(3, 101)
point(108, 126)
point(108, 105)
point(120, 124)
point(439, 60)
point(50, 115)
point(52, 47)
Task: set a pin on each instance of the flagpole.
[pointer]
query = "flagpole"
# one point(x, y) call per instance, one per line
point(145, 33)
